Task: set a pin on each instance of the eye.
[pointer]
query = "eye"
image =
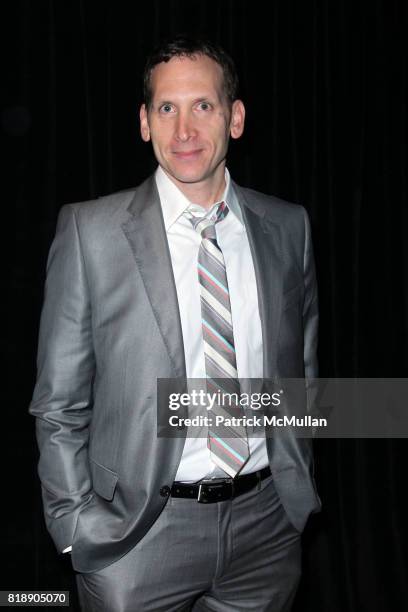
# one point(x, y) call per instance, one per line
point(204, 106)
point(166, 108)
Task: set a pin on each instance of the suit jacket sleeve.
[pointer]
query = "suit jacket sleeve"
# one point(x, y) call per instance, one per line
point(62, 401)
point(310, 315)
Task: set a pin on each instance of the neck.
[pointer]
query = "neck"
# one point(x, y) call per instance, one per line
point(204, 193)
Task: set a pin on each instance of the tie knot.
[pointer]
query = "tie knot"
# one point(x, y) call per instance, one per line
point(206, 225)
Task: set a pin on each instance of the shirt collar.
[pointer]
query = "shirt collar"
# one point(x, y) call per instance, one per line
point(174, 202)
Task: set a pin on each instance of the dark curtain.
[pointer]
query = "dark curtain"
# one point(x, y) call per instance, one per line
point(325, 86)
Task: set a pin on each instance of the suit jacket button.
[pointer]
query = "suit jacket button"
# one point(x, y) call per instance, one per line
point(165, 491)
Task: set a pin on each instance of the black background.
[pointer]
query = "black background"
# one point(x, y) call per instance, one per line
point(325, 86)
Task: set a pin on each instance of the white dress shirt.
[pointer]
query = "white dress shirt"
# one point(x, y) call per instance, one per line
point(184, 243)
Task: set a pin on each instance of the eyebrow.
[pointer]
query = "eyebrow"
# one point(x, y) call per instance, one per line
point(195, 101)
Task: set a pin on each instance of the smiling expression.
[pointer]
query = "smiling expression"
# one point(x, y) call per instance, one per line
point(190, 120)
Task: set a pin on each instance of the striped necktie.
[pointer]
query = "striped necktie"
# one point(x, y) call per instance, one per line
point(228, 445)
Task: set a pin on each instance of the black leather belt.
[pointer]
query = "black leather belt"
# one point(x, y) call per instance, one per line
point(219, 489)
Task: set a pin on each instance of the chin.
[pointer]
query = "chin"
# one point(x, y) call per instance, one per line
point(186, 176)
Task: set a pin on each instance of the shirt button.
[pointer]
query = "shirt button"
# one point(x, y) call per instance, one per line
point(165, 491)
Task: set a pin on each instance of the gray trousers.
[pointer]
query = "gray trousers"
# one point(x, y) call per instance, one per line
point(230, 556)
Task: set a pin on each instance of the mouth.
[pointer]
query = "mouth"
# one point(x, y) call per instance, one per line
point(187, 155)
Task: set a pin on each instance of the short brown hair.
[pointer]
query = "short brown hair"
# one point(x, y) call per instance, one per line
point(182, 46)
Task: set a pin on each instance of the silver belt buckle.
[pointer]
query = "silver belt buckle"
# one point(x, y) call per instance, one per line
point(208, 483)
point(201, 490)
point(199, 498)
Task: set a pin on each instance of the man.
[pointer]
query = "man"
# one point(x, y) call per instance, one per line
point(190, 276)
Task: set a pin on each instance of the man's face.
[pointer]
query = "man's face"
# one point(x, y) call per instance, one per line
point(190, 120)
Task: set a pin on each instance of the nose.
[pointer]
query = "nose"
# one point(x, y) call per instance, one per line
point(184, 127)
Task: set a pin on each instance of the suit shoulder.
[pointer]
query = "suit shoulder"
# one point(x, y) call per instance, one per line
point(272, 206)
point(100, 209)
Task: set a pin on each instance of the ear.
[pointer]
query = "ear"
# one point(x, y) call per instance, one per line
point(237, 119)
point(144, 124)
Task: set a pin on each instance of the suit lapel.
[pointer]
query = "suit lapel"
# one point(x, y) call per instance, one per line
point(146, 234)
point(265, 243)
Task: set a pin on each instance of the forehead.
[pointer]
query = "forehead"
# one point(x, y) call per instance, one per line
point(183, 75)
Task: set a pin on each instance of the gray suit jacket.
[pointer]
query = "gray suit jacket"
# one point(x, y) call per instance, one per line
point(110, 327)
